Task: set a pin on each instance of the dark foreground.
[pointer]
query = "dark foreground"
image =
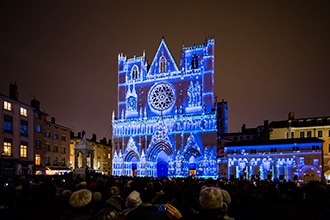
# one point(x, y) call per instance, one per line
point(47, 197)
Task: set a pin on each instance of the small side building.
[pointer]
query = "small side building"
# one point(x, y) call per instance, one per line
point(90, 154)
point(299, 160)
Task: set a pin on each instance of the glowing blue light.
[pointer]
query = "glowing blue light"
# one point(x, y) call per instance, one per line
point(166, 117)
point(280, 160)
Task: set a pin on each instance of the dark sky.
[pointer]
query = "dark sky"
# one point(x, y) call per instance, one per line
point(272, 57)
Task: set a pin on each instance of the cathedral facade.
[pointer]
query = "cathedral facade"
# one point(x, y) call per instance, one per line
point(168, 121)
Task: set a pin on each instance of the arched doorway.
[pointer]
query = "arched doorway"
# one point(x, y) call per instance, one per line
point(159, 154)
point(162, 169)
point(130, 163)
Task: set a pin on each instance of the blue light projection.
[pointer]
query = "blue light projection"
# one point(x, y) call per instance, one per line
point(290, 159)
point(167, 122)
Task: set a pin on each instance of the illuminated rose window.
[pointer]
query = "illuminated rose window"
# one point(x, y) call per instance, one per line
point(161, 97)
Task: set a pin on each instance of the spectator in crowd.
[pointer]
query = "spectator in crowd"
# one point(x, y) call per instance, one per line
point(147, 211)
point(132, 202)
point(106, 214)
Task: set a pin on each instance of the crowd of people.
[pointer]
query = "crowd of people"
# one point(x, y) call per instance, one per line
point(101, 197)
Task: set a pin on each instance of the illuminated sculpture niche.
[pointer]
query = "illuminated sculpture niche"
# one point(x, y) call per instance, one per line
point(167, 118)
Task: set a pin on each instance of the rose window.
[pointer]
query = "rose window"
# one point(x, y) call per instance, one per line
point(161, 97)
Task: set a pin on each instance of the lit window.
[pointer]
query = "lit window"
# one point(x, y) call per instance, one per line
point(7, 105)
point(55, 136)
point(55, 161)
point(8, 123)
point(194, 62)
point(162, 65)
point(135, 73)
point(38, 128)
point(24, 128)
point(23, 111)
point(320, 133)
point(37, 159)
point(7, 148)
point(23, 150)
point(47, 134)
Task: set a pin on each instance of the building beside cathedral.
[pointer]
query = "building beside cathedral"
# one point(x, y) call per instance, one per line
point(168, 122)
point(282, 159)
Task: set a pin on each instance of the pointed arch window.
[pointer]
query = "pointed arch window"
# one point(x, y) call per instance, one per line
point(135, 73)
point(162, 64)
point(194, 62)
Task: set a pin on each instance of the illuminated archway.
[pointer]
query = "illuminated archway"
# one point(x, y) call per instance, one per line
point(191, 158)
point(157, 148)
point(80, 159)
point(159, 155)
point(309, 172)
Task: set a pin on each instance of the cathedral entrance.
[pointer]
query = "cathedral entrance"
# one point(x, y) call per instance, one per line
point(162, 169)
point(134, 169)
point(192, 169)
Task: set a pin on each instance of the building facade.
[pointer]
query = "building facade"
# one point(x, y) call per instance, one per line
point(298, 160)
point(101, 152)
point(30, 143)
point(17, 135)
point(168, 121)
point(57, 147)
point(292, 128)
point(40, 119)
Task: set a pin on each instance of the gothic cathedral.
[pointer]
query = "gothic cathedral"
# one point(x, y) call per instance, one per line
point(168, 122)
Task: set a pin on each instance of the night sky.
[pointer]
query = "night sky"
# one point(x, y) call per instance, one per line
point(272, 57)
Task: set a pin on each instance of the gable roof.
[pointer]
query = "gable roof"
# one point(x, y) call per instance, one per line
point(162, 51)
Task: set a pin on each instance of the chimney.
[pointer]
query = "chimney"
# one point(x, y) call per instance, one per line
point(266, 123)
point(243, 127)
point(13, 91)
point(291, 116)
point(94, 137)
point(35, 104)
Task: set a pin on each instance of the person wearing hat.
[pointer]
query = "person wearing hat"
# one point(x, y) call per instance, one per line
point(211, 204)
point(132, 201)
point(80, 204)
point(147, 210)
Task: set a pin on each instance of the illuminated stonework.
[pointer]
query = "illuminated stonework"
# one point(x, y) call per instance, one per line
point(167, 122)
point(283, 159)
point(161, 97)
